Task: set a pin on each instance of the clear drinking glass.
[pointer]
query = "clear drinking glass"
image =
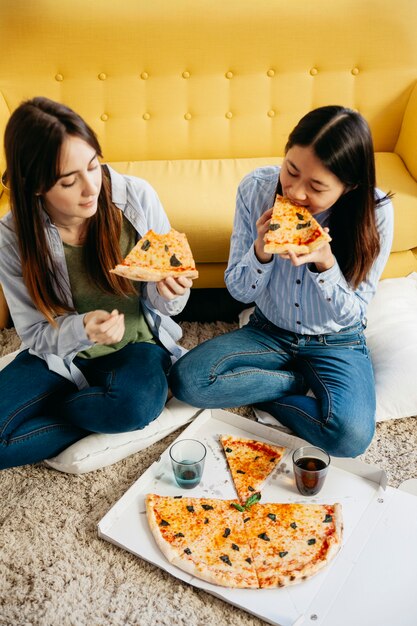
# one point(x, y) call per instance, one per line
point(187, 458)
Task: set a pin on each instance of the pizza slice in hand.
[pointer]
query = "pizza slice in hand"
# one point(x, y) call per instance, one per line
point(250, 463)
point(293, 228)
point(157, 256)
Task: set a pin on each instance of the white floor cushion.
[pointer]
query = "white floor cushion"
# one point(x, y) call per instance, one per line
point(391, 336)
point(392, 339)
point(100, 450)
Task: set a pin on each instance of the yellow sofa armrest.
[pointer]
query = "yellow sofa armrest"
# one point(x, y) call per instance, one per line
point(407, 140)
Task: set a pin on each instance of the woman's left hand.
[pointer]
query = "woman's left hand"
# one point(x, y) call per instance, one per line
point(170, 288)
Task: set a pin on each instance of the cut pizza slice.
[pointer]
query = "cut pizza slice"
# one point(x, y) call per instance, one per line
point(292, 227)
point(157, 256)
point(292, 542)
point(205, 537)
point(250, 463)
point(269, 545)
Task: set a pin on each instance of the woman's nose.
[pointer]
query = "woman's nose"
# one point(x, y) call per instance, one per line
point(298, 191)
point(89, 187)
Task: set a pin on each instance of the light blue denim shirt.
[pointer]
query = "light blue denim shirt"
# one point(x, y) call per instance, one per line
point(58, 346)
point(296, 298)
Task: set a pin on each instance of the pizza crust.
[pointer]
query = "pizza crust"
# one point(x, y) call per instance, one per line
point(275, 248)
point(157, 256)
point(150, 275)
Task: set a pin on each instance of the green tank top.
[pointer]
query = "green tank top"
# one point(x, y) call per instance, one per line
point(88, 297)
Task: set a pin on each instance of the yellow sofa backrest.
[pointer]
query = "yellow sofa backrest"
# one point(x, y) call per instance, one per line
point(192, 94)
point(191, 79)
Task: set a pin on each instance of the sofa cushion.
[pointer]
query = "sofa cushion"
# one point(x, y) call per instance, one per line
point(199, 197)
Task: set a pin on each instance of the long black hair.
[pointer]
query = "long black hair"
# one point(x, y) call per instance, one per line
point(342, 140)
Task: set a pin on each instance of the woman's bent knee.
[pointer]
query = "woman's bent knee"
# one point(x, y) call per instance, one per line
point(350, 440)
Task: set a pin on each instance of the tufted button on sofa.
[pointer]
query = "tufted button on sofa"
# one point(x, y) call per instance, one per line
point(193, 95)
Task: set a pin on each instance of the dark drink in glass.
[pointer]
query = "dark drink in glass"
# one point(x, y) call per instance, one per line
point(310, 465)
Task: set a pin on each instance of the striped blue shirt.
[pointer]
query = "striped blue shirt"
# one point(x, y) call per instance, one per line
point(296, 299)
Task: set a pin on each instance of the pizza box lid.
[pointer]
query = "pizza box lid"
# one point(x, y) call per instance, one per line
point(370, 511)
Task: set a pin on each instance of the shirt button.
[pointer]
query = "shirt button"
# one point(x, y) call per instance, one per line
point(321, 281)
point(298, 281)
point(328, 299)
point(296, 304)
point(259, 271)
point(253, 286)
point(298, 322)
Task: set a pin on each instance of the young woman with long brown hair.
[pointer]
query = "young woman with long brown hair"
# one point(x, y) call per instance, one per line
point(307, 328)
point(96, 348)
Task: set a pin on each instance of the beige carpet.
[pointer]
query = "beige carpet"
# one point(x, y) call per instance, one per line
point(55, 571)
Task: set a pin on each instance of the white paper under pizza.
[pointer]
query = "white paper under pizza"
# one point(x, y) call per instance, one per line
point(360, 488)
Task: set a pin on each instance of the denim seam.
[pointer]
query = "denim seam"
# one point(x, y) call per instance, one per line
point(279, 374)
point(300, 412)
point(237, 354)
point(329, 398)
point(86, 395)
point(20, 409)
point(33, 433)
point(95, 393)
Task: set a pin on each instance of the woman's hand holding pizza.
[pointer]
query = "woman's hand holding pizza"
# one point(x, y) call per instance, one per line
point(262, 225)
point(103, 327)
point(171, 287)
point(322, 257)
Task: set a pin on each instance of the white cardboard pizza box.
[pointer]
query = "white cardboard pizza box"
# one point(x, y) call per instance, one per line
point(372, 579)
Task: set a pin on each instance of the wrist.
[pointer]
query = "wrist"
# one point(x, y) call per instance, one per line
point(323, 266)
point(260, 254)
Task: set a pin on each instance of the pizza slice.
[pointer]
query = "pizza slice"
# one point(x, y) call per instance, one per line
point(157, 256)
point(292, 542)
point(205, 537)
point(292, 227)
point(250, 463)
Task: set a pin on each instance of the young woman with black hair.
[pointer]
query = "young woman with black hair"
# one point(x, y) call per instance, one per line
point(307, 328)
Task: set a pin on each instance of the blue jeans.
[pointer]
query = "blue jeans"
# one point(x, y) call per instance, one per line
point(263, 365)
point(42, 413)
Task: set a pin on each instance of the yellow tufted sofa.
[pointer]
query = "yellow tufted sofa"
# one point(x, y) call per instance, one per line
point(193, 94)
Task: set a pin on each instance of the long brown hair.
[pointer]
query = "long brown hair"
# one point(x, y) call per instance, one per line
point(342, 140)
point(33, 140)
